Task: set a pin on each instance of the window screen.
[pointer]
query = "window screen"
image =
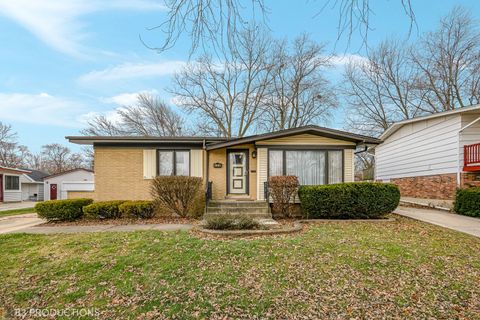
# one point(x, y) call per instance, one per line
point(276, 163)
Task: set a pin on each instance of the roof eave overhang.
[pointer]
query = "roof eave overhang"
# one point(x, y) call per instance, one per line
point(254, 139)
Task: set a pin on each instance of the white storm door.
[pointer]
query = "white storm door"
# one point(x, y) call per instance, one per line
point(237, 172)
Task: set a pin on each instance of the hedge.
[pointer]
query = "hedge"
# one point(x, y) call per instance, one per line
point(70, 209)
point(103, 209)
point(138, 209)
point(353, 200)
point(231, 222)
point(181, 195)
point(467, 202)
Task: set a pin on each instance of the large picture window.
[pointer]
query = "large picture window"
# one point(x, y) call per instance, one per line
point(173, 163)
point(312, 167)
point(12, 183)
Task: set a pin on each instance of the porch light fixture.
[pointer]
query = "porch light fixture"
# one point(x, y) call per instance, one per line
point(254, 154)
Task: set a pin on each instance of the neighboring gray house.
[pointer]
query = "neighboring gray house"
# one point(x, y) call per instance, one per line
point(32, 185)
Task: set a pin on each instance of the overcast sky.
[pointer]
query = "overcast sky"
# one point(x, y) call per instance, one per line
point(66, 60)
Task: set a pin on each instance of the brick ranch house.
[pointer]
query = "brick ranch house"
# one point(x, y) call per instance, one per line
point(431, 156)
point(232, 169)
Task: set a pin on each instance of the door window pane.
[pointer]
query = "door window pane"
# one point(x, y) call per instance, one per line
point(182, 163)
point(335, 167)
point(165, 163)
point(275, 163)
point(308, 166)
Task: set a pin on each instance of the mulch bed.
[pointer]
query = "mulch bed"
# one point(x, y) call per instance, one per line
point(121, 221)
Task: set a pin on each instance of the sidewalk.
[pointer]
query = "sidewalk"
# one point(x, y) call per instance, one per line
point(444, 219)
point(103, 228)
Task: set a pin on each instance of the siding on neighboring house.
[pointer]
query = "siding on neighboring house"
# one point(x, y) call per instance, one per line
point(422, 148)
point(12, 196)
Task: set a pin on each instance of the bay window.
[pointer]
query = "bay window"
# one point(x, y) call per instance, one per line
point(173, 163)
point(312, 167)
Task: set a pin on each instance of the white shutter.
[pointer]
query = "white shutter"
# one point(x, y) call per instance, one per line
point(196, 163)
point(149, 163)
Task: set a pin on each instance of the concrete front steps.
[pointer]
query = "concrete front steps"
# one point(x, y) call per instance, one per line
point(254, 209)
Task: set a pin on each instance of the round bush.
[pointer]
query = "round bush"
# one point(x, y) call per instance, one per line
point(103, 210)
point(467, 202)
point(138, 209)
point(69, 209)
point(353, 200)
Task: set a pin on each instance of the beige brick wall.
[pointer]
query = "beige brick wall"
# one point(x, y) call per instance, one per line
point(119, 174)
point(81, 194)
point(219, 175)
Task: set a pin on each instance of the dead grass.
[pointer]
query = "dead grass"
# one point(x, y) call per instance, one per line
point(335, 270)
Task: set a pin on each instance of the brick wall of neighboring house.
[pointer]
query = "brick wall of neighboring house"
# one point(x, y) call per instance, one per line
point(119, 174)
point(470, 179)
point(441, 186)
point(81, 194)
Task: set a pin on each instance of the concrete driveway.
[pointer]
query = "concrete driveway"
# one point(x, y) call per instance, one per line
point(441, 218)
point(19, 222)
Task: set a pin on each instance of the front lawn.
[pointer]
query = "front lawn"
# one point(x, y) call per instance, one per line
point(12, 212)
point(401, 269)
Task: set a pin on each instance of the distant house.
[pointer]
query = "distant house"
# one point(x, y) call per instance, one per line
point(57, 186)
point(10, 186)
point(431, 156)
point(32, 185)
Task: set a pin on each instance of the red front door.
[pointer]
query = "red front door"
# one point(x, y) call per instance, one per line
point(53, 191)
point(1, 188)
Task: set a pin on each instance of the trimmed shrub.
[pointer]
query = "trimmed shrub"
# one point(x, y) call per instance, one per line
point(69, 209)
point(138, 209)
point(179, 194)
point(231, 222)
point(467, 202)
point(283, 189)
point(103, 210)
point(353, 200)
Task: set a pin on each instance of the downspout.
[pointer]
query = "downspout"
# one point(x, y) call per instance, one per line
point(459, 171)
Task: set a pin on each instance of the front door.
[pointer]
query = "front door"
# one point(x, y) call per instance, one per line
point(53, 191)
point(1, 188)
point(237, 172)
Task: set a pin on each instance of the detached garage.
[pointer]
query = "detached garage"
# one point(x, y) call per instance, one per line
point(58, 185)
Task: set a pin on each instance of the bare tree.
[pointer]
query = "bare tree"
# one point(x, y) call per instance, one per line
point(354, 17)
point(215, 24)
point(11, 153)
point(149, 117)
point(56, 158)
point(448, 63)
point(226, 97)
point(209, 24)
point(298, 94)
point(381, 89)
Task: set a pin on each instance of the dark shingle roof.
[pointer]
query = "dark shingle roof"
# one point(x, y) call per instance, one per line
point(36, 175)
